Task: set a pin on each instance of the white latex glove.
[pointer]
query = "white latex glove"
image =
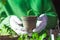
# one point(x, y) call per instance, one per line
point(40, 25)
point(15, 25)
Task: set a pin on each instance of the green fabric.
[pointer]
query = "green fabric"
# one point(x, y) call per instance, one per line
point(20, 7)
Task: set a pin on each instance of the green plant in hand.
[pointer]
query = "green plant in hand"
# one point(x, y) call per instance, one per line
point(31, 13)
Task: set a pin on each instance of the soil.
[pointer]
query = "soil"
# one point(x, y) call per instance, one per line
point(8, 38)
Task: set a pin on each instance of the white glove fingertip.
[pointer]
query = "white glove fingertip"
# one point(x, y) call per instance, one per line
point(34, 30)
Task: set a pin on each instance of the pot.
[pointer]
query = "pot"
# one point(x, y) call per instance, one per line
point(29, 22)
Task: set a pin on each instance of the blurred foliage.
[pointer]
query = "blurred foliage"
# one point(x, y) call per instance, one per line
point(5, 30)
point(58, 37)
point(35, 36)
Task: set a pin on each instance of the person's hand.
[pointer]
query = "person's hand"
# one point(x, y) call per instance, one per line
point(15, 23)
point(41, 23)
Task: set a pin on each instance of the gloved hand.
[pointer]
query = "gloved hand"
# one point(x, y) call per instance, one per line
point(41, 23)
point(15, 23)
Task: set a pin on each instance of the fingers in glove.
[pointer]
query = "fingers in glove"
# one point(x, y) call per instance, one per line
point(16, 19)
point(41, 23)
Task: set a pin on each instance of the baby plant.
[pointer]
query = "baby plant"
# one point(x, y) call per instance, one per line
point(31, 13)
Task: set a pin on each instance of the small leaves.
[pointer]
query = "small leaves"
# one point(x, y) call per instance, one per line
point(35, 36)
point(28, 12)
point(21, 37)
point(4, 31)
